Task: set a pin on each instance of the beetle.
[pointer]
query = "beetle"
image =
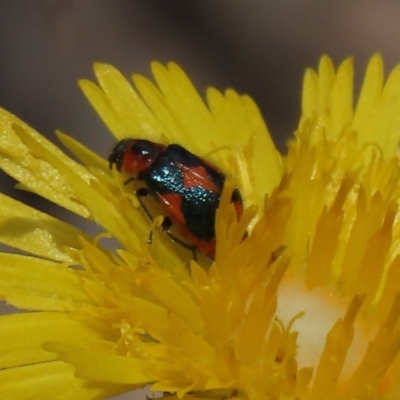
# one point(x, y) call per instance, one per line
point(187, 187)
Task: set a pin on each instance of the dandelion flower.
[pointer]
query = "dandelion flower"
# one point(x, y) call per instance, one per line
point(307, 306)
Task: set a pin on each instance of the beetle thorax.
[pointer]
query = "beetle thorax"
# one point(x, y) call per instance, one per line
point(140, 155)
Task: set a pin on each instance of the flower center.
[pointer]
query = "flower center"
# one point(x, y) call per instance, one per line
point(322, 308)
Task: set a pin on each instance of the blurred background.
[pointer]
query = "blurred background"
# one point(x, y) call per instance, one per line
point(259, 47)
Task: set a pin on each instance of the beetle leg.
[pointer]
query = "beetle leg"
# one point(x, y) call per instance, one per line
point(131, 179)
point(140, 193)
point(165, 225)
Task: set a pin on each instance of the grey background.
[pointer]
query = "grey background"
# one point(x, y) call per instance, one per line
point(258, 47)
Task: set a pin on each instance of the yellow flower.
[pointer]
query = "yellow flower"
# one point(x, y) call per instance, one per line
point(307, 306)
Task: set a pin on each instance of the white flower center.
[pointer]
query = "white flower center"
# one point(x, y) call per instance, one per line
point(322, 307)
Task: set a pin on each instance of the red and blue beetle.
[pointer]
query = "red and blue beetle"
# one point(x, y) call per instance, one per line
point(187, 187)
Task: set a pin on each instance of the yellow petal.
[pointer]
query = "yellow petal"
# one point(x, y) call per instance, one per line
point(378, 108)
point(309, 93)
point(88, 157)
point(30, 230)
point(188, 109)
point(51, 380)
point(333, 357)
point(167, 127)
point(22, 283)
point(118, 104)
point(103, 367)
point(23, 335)
point(244, 146)
point(369, 99)
point(27, 157)
point(326, 74)
point(341, 100)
